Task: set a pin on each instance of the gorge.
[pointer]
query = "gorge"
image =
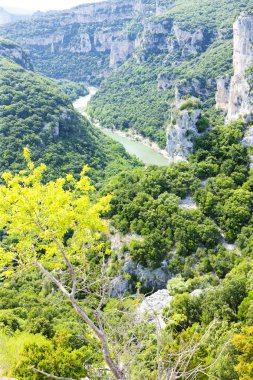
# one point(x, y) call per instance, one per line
point(117, 261)
point(146, 151)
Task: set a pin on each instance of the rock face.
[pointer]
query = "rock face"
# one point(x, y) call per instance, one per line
point(154, 38)
point(183, 130)
point(14, 52)
point(236, 98)
point(201, 89)
point(187, 43)
point(153, 306)
point(240, 99)
point(95, 38)
point(151, 279)
point(223, 93)
point(248, 138)
point(121, 50)
point(119, 287)
point(166, 36)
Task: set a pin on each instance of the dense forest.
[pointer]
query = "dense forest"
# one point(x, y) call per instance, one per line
point(145, 202)
point(36, 113)
point(110, 269)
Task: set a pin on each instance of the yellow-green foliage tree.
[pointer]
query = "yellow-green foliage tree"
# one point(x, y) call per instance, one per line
point(51, 227)
point(244, 344)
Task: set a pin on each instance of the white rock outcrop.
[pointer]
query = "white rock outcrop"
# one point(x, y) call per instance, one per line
point(153, 306)
point(238, 100)
point(103, 39)
point(182, 132)
point(240, 103)
point(121, 50)
point(223, 93)
point(149, 278)
point(248, 138)
point(189, 43)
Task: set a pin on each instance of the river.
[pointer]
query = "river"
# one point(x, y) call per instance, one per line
point(148, 152)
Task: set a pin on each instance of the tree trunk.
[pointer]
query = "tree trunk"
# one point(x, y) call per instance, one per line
point(114, 368)
point(118, 374)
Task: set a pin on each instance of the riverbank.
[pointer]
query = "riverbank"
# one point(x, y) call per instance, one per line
point(133, 135)
point(124, 138)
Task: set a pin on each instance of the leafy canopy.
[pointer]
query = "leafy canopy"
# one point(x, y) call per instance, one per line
point(48, 223)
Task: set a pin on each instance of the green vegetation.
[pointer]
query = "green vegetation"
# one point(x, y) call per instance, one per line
point(40, 331)
point(58, 267)
point(148, 202)
point(72, 89)
point(130, 98)
point(35, 113)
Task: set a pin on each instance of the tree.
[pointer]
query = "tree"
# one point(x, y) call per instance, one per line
point(51, 227)
point(56, 229)
point(244, 344)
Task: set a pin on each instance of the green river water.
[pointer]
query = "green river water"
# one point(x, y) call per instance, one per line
point(146, 154)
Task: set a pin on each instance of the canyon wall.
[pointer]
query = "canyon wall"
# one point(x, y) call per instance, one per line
point(234, 96)
point(183, 129)
point(86, 42)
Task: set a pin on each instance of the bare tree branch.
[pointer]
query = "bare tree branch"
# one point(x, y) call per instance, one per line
point(119, 375)
point(50, 375)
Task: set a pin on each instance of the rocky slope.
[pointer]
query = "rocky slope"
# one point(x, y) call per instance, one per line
point(97, 36)
point(14, 52)
point(234, 96)
point(180, 48)
point(102, 36)
point(183, 129)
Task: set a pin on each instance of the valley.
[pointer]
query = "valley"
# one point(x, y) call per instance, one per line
point(146, 151)
point(126, 191)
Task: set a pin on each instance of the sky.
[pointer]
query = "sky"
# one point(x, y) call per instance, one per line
point(43, 5)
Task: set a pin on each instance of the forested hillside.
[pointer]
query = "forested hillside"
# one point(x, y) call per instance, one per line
point(125, 271)
point(36, 113)
point(77, 44)
point(147, 48)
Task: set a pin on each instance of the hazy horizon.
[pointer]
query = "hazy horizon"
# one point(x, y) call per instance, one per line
point(42, 5)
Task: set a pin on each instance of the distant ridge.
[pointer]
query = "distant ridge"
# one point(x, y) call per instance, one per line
point(6, 17)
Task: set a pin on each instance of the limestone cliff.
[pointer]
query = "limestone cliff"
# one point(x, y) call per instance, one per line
point(121, 50)
point(186, 42)
point(223, 93)
point(240, 99)
point(167, 36)
point(87, 40)
point(15, 53)
point(183, 129)
point(235, 96)
point(92, 39)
